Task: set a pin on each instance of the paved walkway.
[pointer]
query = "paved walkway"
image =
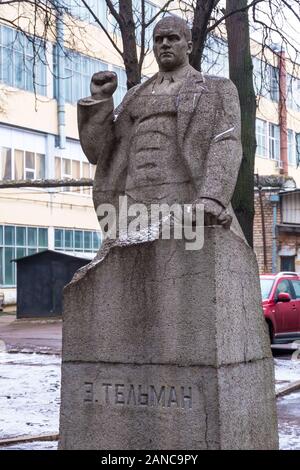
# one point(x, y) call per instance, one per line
point(30, 335)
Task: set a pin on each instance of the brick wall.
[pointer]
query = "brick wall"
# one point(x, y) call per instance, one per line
point(267, 207)
point(283, 240)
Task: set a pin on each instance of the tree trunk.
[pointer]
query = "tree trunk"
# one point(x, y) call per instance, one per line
point(130, 56)
point(202, 16)
point(241, 73)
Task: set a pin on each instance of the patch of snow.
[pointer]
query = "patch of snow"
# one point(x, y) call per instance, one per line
point(29, 394)
point(38, 445)
point(286, 371)
point(30, 400)
point(289, 437)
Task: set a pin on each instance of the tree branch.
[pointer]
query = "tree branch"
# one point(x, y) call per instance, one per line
point(240, 10)
point(163, 9)
point(291, 9)
point(113, 11)
point(102, 27)
point(67, 182)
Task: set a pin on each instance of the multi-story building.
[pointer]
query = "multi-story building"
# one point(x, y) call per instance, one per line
point(276, 223)
point(41, 82)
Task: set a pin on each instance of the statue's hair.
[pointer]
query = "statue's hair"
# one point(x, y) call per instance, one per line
point(175, 21)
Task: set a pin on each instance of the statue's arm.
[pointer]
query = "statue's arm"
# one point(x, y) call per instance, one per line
point(96, 127)
point(224, 156)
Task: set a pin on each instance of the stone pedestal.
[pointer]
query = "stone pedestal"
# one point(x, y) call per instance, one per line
point(165, 348)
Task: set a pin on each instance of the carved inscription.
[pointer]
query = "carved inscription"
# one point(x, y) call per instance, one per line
point(120, 394)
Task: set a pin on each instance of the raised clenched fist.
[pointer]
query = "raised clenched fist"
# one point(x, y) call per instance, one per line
point(103, 85)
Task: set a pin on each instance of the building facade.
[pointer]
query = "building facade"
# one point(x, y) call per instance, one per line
point(40, 83)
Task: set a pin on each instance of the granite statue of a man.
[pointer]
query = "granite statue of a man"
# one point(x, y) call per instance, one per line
point(165, 348)
point(175, 138)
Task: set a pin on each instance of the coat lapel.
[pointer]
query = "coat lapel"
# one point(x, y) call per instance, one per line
point(188, 99)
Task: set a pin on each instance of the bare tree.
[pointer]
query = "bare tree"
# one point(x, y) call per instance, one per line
point(241, 73)
point(131, 21)
point(129, 26)
point(270, 21)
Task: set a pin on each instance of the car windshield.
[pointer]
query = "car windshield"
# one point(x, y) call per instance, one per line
point(266, 286)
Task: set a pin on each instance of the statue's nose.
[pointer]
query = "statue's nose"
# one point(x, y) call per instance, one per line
point(165, 42)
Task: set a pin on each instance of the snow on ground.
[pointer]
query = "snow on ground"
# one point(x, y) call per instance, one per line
point(286, 371)
point(29, 394)
point(288, 409)
point(38, 445)
point(30, 399)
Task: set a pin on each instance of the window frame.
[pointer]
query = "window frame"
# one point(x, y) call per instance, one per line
point(274, 142)
point(84, 233)
point(25, 168)
point(21, 54)
point(264, 135)
point(291, 150)
point(15, 247)
point(82, 191)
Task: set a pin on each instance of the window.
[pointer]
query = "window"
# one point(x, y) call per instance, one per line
point(16, 242)
point(266, 286)
point(287, 263)
point(296, 286)
point(274, 142)
point(291, 147)
point(99, 7)
point(19, 164)
point(67, 168)
point(122, 85)
point(215, 57)
point(79, 69)
point(22, 61)
point(261, 138)
point(257, 75)
point(265, 79)
point(297, 149)
point(284, 286)
point(76, 241)
point(77, 9)
point(268, 142)
point(6, 164)
point(29, 165)
point(293, 93)
point(150, 11)
point(274, 83)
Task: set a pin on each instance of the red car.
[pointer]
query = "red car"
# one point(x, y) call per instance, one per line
point(281, 305)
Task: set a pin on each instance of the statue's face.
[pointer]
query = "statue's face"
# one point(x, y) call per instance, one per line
point(171, 48)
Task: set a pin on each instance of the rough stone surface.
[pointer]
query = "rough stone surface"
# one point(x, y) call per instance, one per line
point(158, 303)
point(117, 406)
point(192, 319)
point(174, 138)
point(165, 348)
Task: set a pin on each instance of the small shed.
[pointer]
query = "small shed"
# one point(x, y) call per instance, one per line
point(41, 278)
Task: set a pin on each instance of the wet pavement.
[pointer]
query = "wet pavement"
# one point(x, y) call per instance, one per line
point(30, 335)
